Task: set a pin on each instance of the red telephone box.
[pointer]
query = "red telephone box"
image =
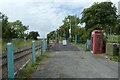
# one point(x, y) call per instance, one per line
point(97, 42)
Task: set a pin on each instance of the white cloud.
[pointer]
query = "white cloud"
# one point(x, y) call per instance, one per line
point(44, 15)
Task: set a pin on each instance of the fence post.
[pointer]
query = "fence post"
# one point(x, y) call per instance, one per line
point(42, 49)
point(76, 39)
point(10, 60)
point(33, 52)
point(45, 44)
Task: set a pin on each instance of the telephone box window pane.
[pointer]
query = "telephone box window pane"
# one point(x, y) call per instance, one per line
point(98, 42)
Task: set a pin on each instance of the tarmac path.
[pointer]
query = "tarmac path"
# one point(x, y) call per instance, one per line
point(73, 62)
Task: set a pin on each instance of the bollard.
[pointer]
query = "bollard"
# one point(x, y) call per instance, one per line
point(88, 44)
point(46, 44)
point(33, 52)
point(77, 38)
point(42, 49)
point(10, 60)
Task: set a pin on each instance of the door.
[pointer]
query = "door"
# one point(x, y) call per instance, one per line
point(98, 41)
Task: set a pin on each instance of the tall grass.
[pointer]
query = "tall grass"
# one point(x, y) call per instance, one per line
point(30, 67)
point(81, 45)
point(18, 44)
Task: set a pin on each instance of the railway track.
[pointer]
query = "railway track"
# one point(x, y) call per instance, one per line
point(20, 58)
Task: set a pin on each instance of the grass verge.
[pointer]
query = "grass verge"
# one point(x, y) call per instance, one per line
point(111, 57)
point(40, 58)
point(26, 72)
point(115, 58)
point(81, 45)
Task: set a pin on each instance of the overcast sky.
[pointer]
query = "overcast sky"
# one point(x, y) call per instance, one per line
point(44, 15)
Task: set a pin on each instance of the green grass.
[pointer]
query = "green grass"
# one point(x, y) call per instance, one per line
point(111, 57)
point(81, 45)
point(26, 72)
point(18, 44)
point(115, 58)
point(40, 58)
point(113, 38)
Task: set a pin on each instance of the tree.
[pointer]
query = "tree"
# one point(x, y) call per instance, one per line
point(116, 29)
point(12, 29)
point(100, 15)
point(33, 35)
point(6, 30)
point(70, 22)
point(61, 32)
point(18, 28)
point(51, 35)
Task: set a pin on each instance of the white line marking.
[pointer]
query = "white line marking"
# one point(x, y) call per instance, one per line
point(22, 67)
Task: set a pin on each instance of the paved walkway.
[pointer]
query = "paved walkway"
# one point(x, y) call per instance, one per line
point(72, 62)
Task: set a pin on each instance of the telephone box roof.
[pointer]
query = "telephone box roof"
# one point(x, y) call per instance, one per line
point(96, 31)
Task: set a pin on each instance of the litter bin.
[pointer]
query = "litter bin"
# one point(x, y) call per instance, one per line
point(112, 49)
